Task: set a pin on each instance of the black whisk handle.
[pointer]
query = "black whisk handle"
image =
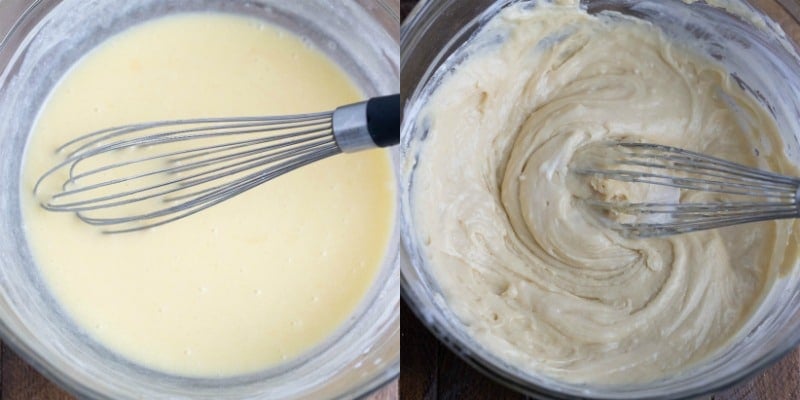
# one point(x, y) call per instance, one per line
point(383, 120)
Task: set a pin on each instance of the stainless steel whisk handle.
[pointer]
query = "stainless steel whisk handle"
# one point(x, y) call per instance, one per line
point(368, 124)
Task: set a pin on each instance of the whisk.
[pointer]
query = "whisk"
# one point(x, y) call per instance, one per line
point(732, 193)
point(143, 175)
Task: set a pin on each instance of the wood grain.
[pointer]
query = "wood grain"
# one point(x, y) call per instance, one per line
point(21, 381)
point(781, 381)
point(431, 372)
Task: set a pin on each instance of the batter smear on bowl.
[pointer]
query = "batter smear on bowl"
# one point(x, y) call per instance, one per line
point(535, 281)
point(244, 286)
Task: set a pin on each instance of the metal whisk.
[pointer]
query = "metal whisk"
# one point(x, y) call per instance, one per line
point(138, 176)
point(737, 194)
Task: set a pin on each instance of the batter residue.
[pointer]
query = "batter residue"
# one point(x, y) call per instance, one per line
point(534, 280)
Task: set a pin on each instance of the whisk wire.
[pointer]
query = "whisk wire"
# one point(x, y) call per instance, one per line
point(762, 195)
point(732, 178)
point(688, 183)
point(645, 230)
point(202, 176)
point(94, 140)
point(207, 200)
point(685, 165)
point(185, 182)
point(91, 139)
point(177, 168)
point(138, 176)
point(171, 137)
point(247, 165)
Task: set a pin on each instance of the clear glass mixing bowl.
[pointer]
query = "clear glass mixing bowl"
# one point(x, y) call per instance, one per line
point(748, 47)
point(41, 39)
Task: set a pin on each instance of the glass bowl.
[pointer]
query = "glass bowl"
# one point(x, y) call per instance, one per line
point(748, 44)
point(40, 40)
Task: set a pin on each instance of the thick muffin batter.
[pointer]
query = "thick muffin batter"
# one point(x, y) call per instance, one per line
point(248, 283)
point(533, 279)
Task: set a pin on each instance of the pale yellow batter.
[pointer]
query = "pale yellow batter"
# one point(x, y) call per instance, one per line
point(535, 281)
point(249, 283)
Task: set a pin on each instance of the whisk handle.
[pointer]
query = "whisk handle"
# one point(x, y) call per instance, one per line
point(383, 120)
point(369, 124)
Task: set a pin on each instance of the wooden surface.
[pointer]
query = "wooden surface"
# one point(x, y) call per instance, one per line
point(430, 371)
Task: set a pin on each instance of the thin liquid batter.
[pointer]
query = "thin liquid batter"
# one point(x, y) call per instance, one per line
point(246, 284)
point(530, 276)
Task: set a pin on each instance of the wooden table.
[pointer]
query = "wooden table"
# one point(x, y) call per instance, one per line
point(431, 371)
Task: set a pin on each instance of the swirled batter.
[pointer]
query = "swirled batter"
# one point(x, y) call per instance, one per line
point(534, 280)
